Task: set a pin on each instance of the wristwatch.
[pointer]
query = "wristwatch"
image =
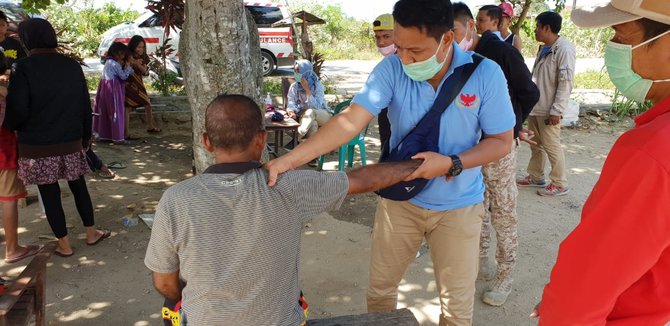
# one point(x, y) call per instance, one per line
point(457, 168)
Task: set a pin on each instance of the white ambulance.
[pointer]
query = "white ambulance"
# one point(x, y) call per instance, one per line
point(276, 43)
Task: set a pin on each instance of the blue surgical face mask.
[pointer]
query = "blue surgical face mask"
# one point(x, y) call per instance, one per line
point(619, 63)
point(297, 76)
point(424, 70)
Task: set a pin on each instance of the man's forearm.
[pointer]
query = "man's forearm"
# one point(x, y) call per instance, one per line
point(339, 130)
point(378, 176)
point(490, 149)
point(168, 285)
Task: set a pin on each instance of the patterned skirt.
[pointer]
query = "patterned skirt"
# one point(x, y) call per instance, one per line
point(48, 170)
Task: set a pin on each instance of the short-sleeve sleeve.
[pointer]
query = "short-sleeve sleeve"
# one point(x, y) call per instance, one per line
point(317, 192)
point(496, 114)
point(377, 92)
point(161, 256)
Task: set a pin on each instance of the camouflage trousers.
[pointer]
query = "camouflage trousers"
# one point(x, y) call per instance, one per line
point(500, 204)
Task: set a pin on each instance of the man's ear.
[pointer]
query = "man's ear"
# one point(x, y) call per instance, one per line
point(261, 140)
point(207, 143)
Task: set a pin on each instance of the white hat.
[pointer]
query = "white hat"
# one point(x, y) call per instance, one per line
point(622, 11)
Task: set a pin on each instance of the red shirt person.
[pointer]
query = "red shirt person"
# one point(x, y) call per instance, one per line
point(614, 268)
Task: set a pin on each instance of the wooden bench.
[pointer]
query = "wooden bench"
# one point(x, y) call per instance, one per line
point(26, 297)
point(400, 317)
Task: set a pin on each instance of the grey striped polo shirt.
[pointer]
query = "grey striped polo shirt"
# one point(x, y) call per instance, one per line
point(236, 242)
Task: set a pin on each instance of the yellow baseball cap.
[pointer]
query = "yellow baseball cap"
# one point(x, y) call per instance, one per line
point(383, 23)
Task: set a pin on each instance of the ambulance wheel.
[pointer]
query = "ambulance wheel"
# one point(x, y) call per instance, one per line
point(267, 62)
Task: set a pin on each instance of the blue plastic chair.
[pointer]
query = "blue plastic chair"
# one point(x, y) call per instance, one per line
point(347, 150)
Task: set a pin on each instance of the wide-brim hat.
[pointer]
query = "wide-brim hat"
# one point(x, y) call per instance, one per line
point(617, 12)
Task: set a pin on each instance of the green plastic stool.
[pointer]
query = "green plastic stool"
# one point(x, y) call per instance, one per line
point(346, 151)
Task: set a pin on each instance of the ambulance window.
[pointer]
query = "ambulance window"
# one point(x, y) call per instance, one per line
point(265, 16)
point(153, 21)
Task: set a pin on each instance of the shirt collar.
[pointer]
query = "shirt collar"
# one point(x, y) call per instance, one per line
point(234, 168)
point(459, 58)
point(653, 113)
point(499, 35)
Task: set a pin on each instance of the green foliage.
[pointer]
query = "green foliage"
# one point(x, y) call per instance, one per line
point(83, 29)
point(272, 86)
point(342, 37)
point(35, 6)
point(593, 79)
point(588, 42)
point(92, 81)
point(624, 107)
point(166, 84)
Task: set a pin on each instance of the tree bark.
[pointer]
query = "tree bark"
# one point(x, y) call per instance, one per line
point(218, 56)
point(522, 17)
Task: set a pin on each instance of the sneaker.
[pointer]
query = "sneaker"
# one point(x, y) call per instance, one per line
point(530, 182)
point(487, 269)
point(498, 293)
point(290, 146)
point(552, 191)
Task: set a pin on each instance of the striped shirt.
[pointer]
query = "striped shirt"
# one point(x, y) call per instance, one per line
point(236, 242)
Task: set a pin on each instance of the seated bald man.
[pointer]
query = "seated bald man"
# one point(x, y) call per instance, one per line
point(234, 241)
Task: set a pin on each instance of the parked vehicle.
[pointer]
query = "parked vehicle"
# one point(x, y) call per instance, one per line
point(276, 43)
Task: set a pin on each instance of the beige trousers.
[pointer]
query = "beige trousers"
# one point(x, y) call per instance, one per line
point(548, 140)
point(453, 239)
point(311, 120)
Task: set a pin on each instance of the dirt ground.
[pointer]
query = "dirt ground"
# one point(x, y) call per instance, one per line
point(108, 284)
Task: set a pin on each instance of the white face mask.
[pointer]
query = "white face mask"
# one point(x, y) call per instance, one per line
point(466, 44)
point(619, 63)
point(387, 50)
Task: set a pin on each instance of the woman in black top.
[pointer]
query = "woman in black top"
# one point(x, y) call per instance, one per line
point(49, 107)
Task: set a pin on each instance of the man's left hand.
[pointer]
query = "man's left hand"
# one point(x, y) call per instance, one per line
point(554, 119)
point(434, 165)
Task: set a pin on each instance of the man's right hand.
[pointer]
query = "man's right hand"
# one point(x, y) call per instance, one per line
point(291, 115)
point(277, 167)
point(527, 135)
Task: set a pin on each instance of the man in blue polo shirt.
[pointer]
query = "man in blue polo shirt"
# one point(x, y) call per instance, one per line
point(449, 211)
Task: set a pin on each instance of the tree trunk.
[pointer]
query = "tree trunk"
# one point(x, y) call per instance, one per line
point(218, 56)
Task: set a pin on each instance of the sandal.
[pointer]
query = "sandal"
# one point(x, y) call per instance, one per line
point(116, 165)
point(105, 235)
point(132, 138)
point(31, 250)
point(106, 175)
point(154, 130)
point(60, 254)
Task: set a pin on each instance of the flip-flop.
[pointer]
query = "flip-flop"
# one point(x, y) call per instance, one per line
point(105, 235)
point(154, 130)
point(116, 165)
point(31, 250)
point(109, 175)
point(60, 254)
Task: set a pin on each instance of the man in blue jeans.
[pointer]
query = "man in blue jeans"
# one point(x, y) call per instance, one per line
point(448, 212)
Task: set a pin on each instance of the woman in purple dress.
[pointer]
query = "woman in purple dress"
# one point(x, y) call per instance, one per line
point(111, 96)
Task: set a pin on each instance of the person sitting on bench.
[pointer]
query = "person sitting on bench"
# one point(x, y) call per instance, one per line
point(225, 243)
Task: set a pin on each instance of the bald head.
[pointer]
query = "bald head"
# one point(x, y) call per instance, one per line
point(232, 122)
